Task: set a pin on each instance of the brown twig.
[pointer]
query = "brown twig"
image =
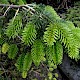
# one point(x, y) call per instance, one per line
point(63, 4)
point(6, 11)
point(16, 13)
point(18, 6)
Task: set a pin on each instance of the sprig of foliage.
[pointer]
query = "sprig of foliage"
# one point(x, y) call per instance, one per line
point(29, 34)
point(58, 55)
point(51, 34)
point(26, 64)
point(5, 48)
point(37, 52)
point(19, 63)
point(13, 50)
point(14, 27)
point(54, 54)
point(68, 39)
point(51, 13)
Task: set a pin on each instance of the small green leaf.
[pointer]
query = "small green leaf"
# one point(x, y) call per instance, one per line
point(54, 79)
point(50, 75)
point(51, 69)
point(24, 74)
point(56, 75)
point(5, 48)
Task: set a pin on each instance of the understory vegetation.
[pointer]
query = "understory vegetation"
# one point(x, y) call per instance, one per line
point(73, 14)
point(33, 36)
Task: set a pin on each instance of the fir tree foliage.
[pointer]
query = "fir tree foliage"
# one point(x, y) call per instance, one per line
point(26, 64)
point(37, 52)
point(58, 53)
point(29, 34)
point(66, 37)
point(42, 39)
point(51, 13)
point(54, 53)
point(14, 27)
point(51, 34)
point(19, 63)
point(13, 50)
